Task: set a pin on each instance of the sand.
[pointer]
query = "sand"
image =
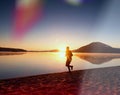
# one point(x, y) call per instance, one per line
point(102, 81)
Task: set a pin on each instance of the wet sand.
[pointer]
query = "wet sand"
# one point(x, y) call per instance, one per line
point(102, 81)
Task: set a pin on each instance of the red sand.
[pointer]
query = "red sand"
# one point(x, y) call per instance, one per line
point(103, 81)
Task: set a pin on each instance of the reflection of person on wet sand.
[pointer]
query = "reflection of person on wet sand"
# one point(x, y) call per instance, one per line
point(69, 59)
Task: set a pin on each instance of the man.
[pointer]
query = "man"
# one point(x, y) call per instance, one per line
point(69, 59)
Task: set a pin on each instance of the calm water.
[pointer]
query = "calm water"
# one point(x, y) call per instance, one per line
point(25, 64)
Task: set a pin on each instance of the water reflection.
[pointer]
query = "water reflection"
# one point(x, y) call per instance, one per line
point(31, 63)
point(11, 53)
point(97, 58)
point(36, 63)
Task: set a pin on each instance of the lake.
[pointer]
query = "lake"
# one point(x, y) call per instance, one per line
point(14, 65)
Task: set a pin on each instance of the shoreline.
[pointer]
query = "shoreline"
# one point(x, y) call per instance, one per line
point(64, 72)
point(100, 81)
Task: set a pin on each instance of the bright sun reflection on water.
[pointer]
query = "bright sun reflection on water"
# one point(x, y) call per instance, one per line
point(62, 54)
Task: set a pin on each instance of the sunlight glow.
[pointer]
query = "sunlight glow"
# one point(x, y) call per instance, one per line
point(62, 51)
point(62, 54)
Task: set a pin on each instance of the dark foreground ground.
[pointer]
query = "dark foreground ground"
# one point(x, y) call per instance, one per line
point(103, 81)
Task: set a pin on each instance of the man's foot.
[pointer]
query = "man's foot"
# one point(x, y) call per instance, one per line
point(71, 67)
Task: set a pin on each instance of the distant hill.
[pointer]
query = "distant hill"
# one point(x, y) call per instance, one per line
point(97, 47)
point(54, 50)
point(3, 49)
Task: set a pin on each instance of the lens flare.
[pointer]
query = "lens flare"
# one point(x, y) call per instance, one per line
point(74, 2)
point(27, 13)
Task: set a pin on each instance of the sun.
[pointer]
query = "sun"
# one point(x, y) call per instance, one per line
point(62, 49)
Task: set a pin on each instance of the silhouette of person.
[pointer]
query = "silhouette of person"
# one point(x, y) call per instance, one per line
point(69, 59)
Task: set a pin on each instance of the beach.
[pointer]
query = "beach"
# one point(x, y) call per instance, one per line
point(99, 81)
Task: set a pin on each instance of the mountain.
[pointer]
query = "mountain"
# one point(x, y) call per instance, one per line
point(3, 49)
point(97, 47)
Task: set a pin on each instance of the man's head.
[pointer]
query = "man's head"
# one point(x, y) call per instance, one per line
point(67, 48)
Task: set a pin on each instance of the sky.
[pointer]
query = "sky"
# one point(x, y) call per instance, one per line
point(60, 23)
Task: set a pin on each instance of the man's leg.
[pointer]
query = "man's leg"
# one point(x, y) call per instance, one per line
point(69, 68)
point(68, 65)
